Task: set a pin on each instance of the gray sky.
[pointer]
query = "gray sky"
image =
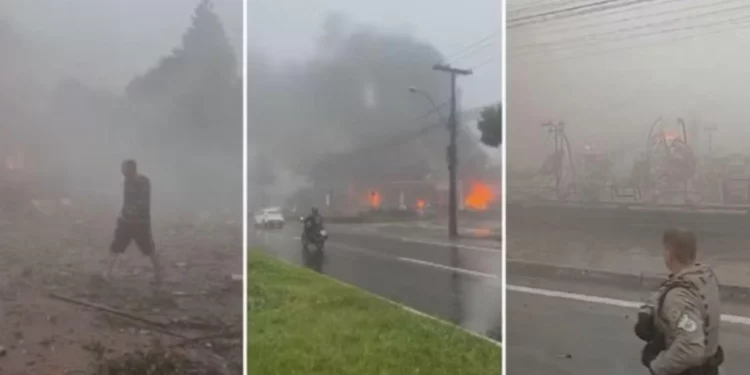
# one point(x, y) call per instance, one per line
point(683, 58)
point(286, 30)
point(107, 42)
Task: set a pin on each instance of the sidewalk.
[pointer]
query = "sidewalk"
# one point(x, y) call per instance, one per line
point(641, 257)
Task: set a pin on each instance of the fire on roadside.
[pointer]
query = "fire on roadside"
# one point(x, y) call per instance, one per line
point(480, 196)
point(421, 204)
point(375, 199)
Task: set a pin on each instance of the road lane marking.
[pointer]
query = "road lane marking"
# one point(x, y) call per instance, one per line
point(415, 261)
point(735, 319)
point(423, 242)
point(455, 269)
point(357, 249)
point(574, 296)
point(449, 244)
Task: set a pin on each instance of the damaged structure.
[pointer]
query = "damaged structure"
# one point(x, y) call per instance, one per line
point(407, 172)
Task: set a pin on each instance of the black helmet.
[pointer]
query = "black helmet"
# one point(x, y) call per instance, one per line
point(314, 210)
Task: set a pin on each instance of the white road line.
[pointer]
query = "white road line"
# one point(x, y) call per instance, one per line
point(454, 269)
point(736, 319)
point(357, 249)
point(415, 261)
point(417, 240)
point(427, 242)
point(448, 244)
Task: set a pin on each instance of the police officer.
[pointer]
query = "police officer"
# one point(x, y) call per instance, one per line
point(680, 322)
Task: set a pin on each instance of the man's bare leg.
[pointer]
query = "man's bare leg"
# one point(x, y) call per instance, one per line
point(157, 267)
point(112, 265)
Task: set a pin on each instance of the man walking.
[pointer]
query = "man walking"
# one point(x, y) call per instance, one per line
point(134, 223)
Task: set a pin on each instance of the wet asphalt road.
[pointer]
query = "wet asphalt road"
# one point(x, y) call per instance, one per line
point(552, 335)
point(461, 284)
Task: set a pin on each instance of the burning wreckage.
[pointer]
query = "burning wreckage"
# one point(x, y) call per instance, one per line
point(406, 176)
point(668, 171)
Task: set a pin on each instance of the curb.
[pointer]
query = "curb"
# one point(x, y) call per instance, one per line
point(638, 281)
point(623, 218)
point(400, 305)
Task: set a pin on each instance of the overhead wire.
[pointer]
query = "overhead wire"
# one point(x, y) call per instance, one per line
point(403, 137)
point(484, 43)
point(561, 29)
point(483, 63)
point(640, 46)
point(594, 36)
point(569, 12)
point(587, 47)
point(531, 5)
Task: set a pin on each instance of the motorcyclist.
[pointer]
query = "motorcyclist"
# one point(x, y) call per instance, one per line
point(313, 222)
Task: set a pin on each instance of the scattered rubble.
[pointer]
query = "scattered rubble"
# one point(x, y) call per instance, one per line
point(55, 305)
point(162, 362)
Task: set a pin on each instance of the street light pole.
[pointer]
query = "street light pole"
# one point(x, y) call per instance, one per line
point(452, 151)
point(427, 96)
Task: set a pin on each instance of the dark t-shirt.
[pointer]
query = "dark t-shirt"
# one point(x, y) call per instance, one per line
point(314, 221)
point(137, 198)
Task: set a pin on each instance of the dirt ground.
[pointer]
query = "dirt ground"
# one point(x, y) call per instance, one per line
point(63, 252)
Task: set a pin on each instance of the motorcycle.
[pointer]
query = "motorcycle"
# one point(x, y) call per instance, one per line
point(317, 238)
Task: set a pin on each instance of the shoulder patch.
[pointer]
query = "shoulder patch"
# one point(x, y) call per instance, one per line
point(687, 324)
point(674, 314)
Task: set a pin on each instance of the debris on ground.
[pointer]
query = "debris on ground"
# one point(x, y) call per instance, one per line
point(162, 362)
point(55, 303)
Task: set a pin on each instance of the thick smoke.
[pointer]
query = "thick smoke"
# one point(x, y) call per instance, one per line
point(180, 119)
point(353, 90)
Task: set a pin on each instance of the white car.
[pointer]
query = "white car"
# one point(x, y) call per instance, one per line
point(270, 218)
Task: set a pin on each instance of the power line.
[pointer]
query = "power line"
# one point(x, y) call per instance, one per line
point(593, 39)
point(573, 10)
point(462, 53)
point(483, 63)
point(579, 26)
point(739, 20)
point(530, 5)
point(398, 139)
point(635, 47)
point(461, 57)
point(590, 8)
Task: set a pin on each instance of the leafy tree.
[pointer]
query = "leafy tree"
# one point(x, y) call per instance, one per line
point(491, 125)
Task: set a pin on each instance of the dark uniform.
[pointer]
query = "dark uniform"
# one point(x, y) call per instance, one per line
point(681, 325)
point(134, 223)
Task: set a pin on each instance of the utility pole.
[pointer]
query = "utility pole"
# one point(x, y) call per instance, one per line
point(452, 154)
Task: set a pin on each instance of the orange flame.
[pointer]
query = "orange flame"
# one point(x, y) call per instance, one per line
point(375, 199)
point(480, 196)
point(421, 204)
point(671, 135)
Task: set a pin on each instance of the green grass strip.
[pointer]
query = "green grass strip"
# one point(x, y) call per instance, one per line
point(304, 323)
